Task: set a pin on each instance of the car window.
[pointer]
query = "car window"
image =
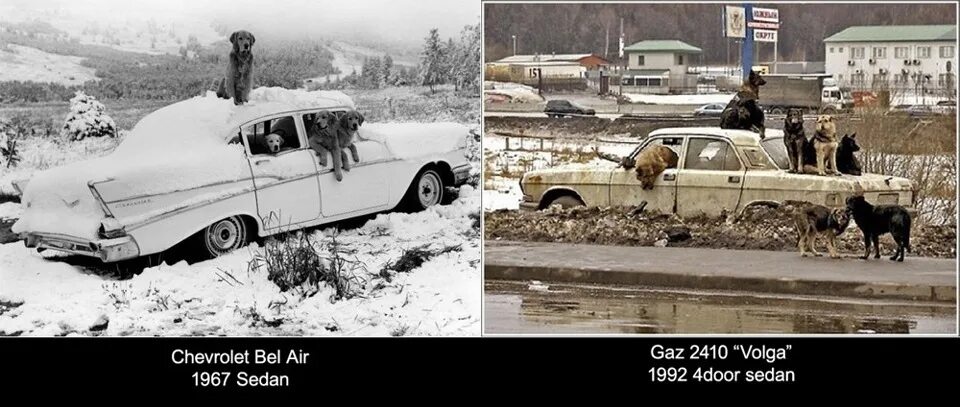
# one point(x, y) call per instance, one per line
point(672, 143)
point(777, 151)
point(757, 159)
point(271, 136)
point(711, 154)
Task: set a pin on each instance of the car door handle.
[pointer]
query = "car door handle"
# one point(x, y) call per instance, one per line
point(669, 177)
point(733, 179)
point(258, 162)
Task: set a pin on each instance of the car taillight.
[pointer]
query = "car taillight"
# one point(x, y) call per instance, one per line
point(110, 228)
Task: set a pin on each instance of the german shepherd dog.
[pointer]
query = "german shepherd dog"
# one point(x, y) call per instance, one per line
point(846, 162)
point(238, 80)
point(743, 111)
point(877, 220)
point(812, 220)
point(825, 144)
point(795, 139)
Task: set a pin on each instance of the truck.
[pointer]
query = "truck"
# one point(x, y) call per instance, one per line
point(814, 93)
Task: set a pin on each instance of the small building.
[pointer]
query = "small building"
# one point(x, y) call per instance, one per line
point(590, 62)
point(897, 56)
point(659, 66)
point(525, 71)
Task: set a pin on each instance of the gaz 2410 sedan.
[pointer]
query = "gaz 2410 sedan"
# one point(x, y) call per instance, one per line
point(719, 171)
point(195, 170)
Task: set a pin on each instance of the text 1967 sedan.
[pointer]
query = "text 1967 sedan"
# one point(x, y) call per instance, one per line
point(194, 169)
point(718, 171)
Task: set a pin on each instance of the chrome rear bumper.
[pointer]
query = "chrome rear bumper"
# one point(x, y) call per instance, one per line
point(107, 250)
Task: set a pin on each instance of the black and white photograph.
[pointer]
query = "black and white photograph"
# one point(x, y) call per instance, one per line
point(240, 168)
point(737, 168)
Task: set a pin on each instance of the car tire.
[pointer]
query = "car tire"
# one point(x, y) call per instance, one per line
point(426, 190)
point(777, 110)
point(223, 236)
point(829, 110)
point(565, 202)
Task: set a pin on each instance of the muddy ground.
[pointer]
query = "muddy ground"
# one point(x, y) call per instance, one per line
point(760, 228)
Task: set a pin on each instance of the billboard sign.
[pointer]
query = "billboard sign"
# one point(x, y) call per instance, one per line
point(735, 22)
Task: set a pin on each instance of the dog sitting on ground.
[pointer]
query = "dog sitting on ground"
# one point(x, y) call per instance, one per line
point(651, 162)
point(874, 221)
point(743, 111)
point(795, 139)
point(238, 80)
point(825, 144)
point(812, 220)
point(846, 162)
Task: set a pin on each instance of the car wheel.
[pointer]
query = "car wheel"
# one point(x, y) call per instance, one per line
point(566, 202)
point(777, 110)
point(224, 236)
point(829, 110)
point(426, 190)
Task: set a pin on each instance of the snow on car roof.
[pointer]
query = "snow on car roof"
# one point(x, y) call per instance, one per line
point(738, 137)
point(204, 121)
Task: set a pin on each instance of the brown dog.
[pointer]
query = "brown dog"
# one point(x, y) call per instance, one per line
point(651, 162)
point(239, 77)
point(322, 137)
point(812, 220)
point(825, 144)
point(350, 122)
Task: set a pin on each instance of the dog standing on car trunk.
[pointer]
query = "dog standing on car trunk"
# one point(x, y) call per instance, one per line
point(238, 80)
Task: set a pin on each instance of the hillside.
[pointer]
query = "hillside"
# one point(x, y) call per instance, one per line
point(20, 63)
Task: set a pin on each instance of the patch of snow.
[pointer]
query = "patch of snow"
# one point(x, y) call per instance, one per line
point(513, 92)
point(678, 99)
point(20, 63)
point(408, 140)
point(442, 297)
point(505, 195)
point(9, 210)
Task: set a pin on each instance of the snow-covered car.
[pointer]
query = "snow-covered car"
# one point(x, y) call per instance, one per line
point(194, 170)
point(718, 171)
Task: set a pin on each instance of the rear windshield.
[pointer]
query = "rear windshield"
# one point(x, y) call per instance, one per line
point(777, 151)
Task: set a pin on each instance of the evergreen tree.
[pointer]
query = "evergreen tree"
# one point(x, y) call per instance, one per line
point(87, 118)
point(387, 68)
point(431, 62)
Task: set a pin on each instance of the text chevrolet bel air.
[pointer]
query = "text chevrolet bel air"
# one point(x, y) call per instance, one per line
point(718, 171)
point(195, 170)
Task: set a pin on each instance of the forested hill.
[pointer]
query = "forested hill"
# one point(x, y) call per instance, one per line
point(582, 28)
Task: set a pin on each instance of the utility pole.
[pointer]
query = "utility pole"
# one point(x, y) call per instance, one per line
point(514, 44)
point(746, 52)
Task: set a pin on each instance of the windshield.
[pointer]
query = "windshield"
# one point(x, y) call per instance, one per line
point(777, 150)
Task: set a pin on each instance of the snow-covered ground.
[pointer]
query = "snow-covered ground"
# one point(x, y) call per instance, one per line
point(349, 57)
point(510, 92)
point(679, 99)
point(503, 193)
point(19, 63)
point(223, 297)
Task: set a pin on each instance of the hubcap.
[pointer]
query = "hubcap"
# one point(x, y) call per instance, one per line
point(429, 189)
point(223, 236)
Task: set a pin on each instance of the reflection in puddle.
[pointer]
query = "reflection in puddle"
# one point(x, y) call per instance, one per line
point(510, 307)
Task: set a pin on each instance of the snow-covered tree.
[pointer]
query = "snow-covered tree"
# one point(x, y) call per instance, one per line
point(451, 60)
point(87, 118)
point(387, 67)
point(432, 62)
point(467, 72)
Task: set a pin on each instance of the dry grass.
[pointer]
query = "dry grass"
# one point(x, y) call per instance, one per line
point(299, 264)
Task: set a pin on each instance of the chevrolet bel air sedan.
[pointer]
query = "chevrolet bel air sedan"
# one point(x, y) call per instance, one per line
point(719, 171)
point(197, 170)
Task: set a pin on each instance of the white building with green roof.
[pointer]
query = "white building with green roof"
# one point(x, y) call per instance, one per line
point(895, 56)
point(659, 66)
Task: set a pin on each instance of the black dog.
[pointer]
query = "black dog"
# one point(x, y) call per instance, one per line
point(743, 111)
point(794, 138)
point(874, 221)
point(846, 162)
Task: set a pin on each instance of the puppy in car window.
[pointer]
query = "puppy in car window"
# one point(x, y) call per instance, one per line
point(272, 142)
point(350, 122)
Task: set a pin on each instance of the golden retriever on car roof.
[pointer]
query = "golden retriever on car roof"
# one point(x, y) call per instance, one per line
point(238, 80)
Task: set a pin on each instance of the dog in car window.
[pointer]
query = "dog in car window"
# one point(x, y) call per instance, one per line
point(332, 133)
point(272, 142)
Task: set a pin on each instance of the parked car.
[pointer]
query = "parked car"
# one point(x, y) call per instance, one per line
point(946, 107)
point(718, 171)
point(561, 108)
point(713, 109)
point(912, 111)
point(195, 171)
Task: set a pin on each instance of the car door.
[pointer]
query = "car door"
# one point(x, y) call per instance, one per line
point(365, 188)
point(287, 189)
point(710, 177)
point(625, 188)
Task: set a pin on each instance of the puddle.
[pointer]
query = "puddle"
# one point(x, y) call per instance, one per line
point(511, 308)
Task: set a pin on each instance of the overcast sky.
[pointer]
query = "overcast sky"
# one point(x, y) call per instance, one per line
point(393, 20)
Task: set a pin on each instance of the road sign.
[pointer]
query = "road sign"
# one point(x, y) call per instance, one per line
point(766, 26)
point(764, 35)
point(734, 21)
point(770, 15)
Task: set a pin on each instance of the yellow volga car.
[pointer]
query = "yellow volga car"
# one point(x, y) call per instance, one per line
point(718, 171)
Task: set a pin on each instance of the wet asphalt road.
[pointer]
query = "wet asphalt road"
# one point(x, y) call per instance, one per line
point(513, 307)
